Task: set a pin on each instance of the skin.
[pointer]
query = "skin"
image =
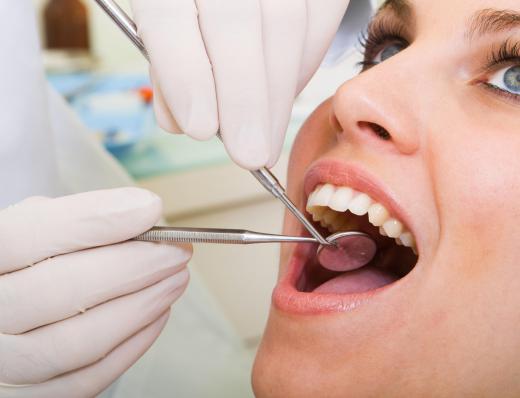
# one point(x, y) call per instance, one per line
point(450, 328)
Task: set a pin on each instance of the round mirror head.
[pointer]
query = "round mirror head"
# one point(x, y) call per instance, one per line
point(350, 251)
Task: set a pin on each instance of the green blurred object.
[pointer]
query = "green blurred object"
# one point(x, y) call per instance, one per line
point(162, 153)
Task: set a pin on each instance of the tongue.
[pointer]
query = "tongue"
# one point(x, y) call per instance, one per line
point(358, 281)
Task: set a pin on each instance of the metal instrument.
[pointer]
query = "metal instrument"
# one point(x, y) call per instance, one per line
point(216, 235)
point(346, 250)
point(264, 176)
point(340, 251)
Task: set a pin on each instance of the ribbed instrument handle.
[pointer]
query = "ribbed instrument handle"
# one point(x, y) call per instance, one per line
point(192, 235)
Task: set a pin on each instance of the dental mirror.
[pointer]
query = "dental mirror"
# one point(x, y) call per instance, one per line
point(345, 251)
point(349, 251)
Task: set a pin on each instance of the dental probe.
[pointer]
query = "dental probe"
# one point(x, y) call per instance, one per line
point(346, 251)
point(264, 176)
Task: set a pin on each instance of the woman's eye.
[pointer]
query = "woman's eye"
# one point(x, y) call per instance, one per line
point(507, 79)
point(388, 52)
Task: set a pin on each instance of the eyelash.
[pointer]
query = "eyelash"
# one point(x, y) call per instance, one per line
point(374, 39)
point(508, 54)
point(381, 33)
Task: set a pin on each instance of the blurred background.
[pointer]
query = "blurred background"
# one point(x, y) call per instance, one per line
point(209, 351)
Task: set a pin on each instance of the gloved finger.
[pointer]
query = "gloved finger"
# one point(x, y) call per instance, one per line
point(284, 26)
point(34, 297)
point(91, 380)
point(322, 25)
point(232, 31)
point(164, 117)
point(35, 357)
point(38, 229)
point(170, 31)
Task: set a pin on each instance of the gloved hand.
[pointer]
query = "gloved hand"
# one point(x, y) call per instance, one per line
point(236, 65)
point(78, 304)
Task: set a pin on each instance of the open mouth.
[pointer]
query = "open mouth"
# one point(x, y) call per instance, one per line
point(342, 196)
point(339, 208)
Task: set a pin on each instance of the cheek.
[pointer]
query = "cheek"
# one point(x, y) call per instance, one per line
point(484, 176)
point(478, 186)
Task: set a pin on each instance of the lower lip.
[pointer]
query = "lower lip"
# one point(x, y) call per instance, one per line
point(288, 299)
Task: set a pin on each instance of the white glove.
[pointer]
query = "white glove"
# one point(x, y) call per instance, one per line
point(236, 65)
point(88, 307)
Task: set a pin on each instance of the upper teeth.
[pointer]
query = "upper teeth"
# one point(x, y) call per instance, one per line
point(327, 201)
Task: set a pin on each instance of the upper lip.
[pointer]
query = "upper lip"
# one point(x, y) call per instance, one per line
point(340, 173)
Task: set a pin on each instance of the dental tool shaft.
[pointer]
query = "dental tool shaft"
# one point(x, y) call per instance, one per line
point(209, 235)
point(272, 185)
point(124, 22)
point(264, 176)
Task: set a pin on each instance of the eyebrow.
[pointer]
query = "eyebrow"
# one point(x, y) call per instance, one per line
point(402, 8)
point(491, 20)
point(483, 22)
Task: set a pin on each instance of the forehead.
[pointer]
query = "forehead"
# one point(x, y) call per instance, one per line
point(447, 6)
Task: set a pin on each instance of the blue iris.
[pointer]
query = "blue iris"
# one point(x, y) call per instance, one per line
point(512, 79)
point(391, 50)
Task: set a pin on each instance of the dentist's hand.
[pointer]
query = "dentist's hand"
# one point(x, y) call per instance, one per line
point(78, 304)
point(236, 65)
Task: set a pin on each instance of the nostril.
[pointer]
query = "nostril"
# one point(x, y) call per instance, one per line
point(378, 130)
point(334, 123)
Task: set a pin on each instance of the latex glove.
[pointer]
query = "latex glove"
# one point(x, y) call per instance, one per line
point(89, 306)
point(236, 65)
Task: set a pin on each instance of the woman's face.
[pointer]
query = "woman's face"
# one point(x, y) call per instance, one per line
point(430, 131)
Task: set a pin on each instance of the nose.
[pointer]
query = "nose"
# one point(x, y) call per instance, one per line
point(378, 105)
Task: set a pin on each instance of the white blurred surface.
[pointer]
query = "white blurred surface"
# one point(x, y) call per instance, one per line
point(197, 355)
